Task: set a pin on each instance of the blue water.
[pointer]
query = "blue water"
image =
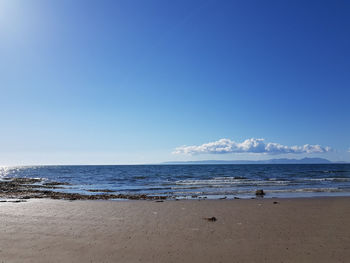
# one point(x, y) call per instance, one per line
point(195, 181)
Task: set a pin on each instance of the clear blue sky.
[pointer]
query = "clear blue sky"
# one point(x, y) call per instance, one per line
point(94, 82)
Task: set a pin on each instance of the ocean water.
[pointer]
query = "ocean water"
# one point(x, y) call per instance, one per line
point(197, 181)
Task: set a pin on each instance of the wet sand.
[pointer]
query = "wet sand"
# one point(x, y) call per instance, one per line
point(291, 230)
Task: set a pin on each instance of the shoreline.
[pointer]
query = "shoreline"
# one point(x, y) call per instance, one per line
point(245, 230)
point(37, 188)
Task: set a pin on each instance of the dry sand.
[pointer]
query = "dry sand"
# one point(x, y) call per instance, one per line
point(294, 230)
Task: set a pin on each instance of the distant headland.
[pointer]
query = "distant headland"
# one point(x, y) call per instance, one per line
point(269, 161)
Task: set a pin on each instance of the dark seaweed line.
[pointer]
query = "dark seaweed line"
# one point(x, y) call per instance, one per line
point(27, 188)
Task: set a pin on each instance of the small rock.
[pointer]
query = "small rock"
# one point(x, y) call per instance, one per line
point(275, 202)
point(211, 219)
point(239, 177)
point(260, 193)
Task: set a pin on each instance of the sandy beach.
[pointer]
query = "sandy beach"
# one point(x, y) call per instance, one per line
point(265, 230)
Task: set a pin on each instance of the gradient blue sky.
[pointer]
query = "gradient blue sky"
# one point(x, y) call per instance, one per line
point(118, 82)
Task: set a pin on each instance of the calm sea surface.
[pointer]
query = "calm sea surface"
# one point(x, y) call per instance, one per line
point(189, 181)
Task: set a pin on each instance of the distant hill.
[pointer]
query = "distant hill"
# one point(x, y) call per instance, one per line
point(270, 161)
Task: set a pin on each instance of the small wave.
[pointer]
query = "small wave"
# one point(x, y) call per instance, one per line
point(308, 190)
point(334, 171)
point(332, 179)
point(200, 186)
point(233, 182)
point(230, 178)
point(252, 192)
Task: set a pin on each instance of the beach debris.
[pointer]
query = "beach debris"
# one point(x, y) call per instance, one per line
point(159, 201)
point(260, 193)
point(222, 198)
point(26, 197)
point(16, 201)
point(12, 201)
point(236, 197)
point(275, 202)
point(210, 219)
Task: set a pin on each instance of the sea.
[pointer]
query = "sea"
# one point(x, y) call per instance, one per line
point(196, 181)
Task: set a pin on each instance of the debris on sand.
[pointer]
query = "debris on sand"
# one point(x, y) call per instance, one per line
point(210, 219)
point(12, 201)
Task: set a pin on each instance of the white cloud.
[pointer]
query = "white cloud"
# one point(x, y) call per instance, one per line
point(248, 146)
